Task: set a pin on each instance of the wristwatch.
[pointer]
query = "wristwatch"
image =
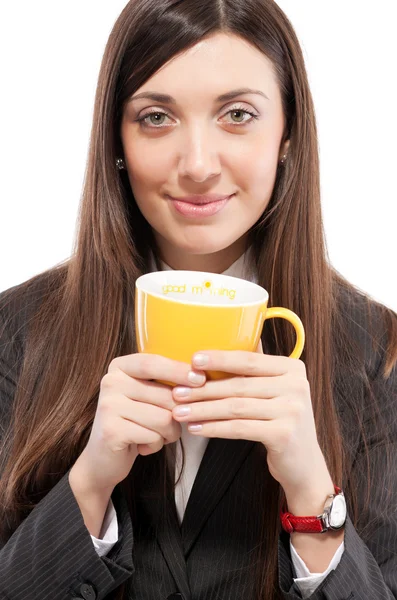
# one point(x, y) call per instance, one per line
point(333, 517)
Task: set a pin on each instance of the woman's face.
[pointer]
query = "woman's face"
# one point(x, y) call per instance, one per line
point(198, 144)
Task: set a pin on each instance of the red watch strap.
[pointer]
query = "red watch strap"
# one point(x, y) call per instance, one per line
point(301, 524)
point(312, 524)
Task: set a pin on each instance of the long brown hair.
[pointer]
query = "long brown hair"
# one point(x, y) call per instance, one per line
point(83, 313)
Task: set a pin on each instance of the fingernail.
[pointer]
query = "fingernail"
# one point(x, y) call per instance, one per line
point(194, 427)
point(182, 392)
point(200, 360)
point(196, 377)
point(181, 411)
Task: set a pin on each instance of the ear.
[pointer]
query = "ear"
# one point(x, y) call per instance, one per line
point(260, 347)
point(284, 149)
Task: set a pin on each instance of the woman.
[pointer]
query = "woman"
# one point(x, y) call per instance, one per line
point(91, 503)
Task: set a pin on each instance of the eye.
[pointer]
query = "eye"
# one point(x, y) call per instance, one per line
point(145, 120)
point(242, 112)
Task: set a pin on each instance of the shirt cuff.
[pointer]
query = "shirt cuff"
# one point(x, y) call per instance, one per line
point(109, 532)
point(307, 581)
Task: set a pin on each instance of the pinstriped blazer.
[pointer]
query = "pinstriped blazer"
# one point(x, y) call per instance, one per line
point(208, 557)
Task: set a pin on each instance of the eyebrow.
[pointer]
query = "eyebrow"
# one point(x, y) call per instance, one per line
point(166, 99)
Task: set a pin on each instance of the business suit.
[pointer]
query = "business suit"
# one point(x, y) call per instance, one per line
point(209, 557)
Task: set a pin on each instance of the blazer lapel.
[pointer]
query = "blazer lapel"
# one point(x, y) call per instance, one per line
point(168, 537)
point(221, 461)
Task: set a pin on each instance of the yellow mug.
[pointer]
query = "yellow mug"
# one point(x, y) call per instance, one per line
point(178, 313)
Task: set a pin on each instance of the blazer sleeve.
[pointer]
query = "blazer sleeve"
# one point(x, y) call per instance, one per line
point(366, 569)
point(51, 554)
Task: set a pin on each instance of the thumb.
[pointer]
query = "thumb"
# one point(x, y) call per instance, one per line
point(260, 347)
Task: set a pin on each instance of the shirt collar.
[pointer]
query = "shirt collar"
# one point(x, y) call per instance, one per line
point(243, 267)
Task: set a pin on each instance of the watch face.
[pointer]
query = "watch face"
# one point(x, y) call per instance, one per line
point(337, 515)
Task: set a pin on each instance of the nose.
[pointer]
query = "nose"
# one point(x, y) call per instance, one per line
point(199, 159)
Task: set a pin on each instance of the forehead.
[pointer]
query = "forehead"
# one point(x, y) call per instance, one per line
point(213, 66)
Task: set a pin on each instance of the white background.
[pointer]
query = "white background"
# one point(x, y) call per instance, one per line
point(50, 55)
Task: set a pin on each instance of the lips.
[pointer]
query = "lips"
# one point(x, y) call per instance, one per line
point(202, 199)
point(200, 208)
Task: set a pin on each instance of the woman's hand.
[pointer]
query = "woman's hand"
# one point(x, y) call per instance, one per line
point(268, 401)
point(133, 416)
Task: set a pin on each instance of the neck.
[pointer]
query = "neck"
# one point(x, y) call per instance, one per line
point(216, 262)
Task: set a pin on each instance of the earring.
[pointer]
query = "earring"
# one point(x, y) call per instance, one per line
point(283, 159)
point(120, 164)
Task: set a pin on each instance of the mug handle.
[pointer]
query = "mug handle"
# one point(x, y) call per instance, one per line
point(289, 315)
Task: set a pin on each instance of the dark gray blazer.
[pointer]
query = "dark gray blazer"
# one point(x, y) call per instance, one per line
point(51, 555)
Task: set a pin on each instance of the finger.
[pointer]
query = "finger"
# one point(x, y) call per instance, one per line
point(242, 429)
point(131, 433)
point(136, 389)
point(246, 363)
point(236, 408)
point(150, 417)
point(235, 387)
point(152, 366)
point(146, 449)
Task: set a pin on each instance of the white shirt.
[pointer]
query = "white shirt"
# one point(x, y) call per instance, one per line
point(194, 450)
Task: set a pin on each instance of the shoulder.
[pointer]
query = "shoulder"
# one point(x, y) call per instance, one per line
point(365, 330)
point(364, 368)
point(21, 302)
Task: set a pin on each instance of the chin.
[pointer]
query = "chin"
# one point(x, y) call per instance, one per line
point(204, 247)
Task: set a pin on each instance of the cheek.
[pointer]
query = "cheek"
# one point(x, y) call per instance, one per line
point(148, 166)
point(147, 177)
point(256, 174)
point(265, 177)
